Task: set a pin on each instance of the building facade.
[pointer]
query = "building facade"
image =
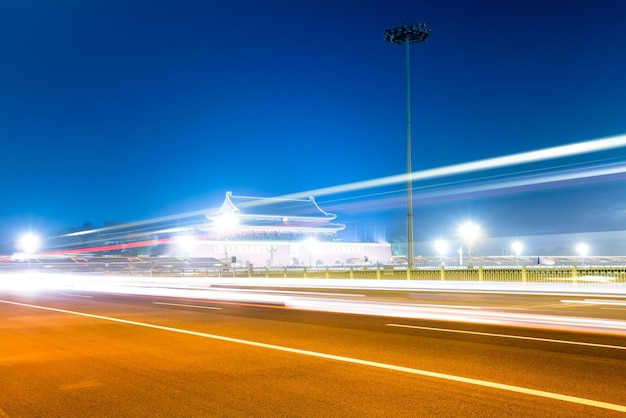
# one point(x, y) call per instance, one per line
point(276, 232)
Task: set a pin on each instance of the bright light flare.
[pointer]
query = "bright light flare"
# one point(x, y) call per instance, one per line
point(441, 246)
point(311, 244)
point(227, 222)
point(186, 242)
point(582, 249)
point(29, 243)
point(33, 282)
point(469, 231)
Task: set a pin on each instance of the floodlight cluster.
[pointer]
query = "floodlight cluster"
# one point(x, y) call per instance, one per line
point(403, 33)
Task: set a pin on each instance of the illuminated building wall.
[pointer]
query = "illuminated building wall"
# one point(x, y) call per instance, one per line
point(281, 232)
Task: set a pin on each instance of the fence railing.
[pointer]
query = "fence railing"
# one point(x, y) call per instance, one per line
point(521, 274)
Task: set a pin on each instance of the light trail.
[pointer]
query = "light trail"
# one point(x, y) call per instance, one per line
point(481, 186)
point(216, 290)
point(562, 151)
point(559, 152)
point(514, 185)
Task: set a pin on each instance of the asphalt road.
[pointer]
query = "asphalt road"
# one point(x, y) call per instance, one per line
point(66, 353)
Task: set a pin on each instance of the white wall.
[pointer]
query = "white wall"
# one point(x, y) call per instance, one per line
point(286, 253)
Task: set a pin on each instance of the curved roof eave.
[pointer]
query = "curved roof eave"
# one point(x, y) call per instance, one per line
point(273, 208)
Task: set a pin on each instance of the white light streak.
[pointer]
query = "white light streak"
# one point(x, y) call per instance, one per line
point(558, 152)
point(486, 164)
point(200, 289)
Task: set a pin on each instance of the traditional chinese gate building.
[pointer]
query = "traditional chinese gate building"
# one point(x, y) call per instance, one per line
point(281, 232)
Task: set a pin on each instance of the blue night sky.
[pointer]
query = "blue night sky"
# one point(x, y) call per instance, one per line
point(129, 110)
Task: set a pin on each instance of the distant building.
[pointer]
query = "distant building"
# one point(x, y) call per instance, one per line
point(263, 219)
point(280, 232)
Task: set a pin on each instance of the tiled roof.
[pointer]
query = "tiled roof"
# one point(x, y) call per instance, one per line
point(273, 207)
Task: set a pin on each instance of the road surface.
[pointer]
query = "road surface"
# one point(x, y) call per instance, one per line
point(67, 352)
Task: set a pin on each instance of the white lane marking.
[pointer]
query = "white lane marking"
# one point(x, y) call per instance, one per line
point(518, 337)
point(187, 306)
point(434, 305)
point(467, 380)
point(227, 289)
point(76, 296)
point(596, 302)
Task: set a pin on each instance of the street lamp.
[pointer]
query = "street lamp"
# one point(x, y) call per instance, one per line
point(187, 243)
point(227, 223)
point(442, 247)
point(408, 34)
point(517, 248)
point(469, 232)
point(311, 247)
point(583, 250)
point(29, 244)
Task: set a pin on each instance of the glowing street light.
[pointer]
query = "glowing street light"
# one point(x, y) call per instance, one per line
point(583, 250)
point(29, 243)
point(408, 34)
point(311, 247)
point(441, 246)
point(187, 243)
point(517, 248)
point(469, 231)
point(227, 223)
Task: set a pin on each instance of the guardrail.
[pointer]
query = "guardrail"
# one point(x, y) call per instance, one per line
point(523, 274)
point(609, 275)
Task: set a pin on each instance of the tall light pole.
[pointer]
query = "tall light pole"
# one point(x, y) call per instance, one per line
point(407, 35)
